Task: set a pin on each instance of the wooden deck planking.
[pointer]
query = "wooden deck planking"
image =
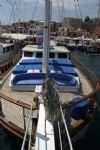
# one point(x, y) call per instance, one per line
point(84, 89)
point(13, 113)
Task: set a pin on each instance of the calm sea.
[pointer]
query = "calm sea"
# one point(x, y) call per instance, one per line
point(90, 141)
point(9, 141)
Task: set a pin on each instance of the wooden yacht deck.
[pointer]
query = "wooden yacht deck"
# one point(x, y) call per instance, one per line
point(84, 89)
point(18, 115)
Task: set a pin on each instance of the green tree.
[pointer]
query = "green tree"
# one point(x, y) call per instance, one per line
point(87, 19)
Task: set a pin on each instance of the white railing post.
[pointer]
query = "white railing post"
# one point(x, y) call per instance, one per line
point(67, 132)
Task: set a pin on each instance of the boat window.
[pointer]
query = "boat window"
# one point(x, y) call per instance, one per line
point(62, 55)
point(51, 55)
point(7, 49)
point(28, 54)
point(4, 50)
point(39, 55)
point(12, 47)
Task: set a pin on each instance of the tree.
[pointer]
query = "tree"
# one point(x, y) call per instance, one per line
point(87, 19)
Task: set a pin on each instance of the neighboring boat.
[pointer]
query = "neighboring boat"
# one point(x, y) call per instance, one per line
point(67, 97)
point(8, 50)
point(92, 49)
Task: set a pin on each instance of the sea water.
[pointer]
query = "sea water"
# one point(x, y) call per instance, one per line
point(8, 141)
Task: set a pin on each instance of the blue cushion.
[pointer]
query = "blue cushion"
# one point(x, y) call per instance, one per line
point(30, 82)
point(63, 62)
point(79, 110)
point(69, 70)
point(63, 79)
point(28, 78)
point(63, 69)
point(19, 69)
point(24, 68)
point(33, 78)
point(31, 61)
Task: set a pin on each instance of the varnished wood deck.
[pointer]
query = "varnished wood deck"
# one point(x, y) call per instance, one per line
point(84, 89)
point(14, 113)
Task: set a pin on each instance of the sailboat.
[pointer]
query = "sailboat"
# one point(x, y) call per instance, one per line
point(66, 96)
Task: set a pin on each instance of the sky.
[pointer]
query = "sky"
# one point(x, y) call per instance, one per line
point(34, 9)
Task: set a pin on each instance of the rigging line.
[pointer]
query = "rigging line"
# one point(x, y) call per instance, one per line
point(79, 8)
point(59, 10)
point(34, 11)
point(69, 8)
point(24, 8)
point(63, 8)
point(3, 9)
point(75, 4)
point(12, 12)
point(17, 9)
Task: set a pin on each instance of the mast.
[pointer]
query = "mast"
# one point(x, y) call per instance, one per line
point(46, 37)
point(99, 11)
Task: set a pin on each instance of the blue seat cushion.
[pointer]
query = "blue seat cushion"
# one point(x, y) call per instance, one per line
point(37, 78)
point(30, 82)
point(79, 110)
point(62, 62)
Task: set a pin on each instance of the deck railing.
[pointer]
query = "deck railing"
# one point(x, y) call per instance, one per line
point(14, 113)
point(26, 133)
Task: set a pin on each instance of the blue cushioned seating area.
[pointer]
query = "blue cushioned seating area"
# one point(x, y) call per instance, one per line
point(24, 68)
point(28, 67)
point(63, 79)
point(31, 61)
point(62, 62)
point(29, 79)
point(37, 67)
point(79, 110)
point(64, 69)
point(37, 79)
point(54, 67)
point(69, 70)
point(19, 69)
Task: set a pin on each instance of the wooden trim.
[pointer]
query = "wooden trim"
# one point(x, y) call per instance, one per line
point(19, 103)
point(90, 96)
point(10, 127)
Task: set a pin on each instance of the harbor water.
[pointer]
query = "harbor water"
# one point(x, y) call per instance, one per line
point(90, 141)
point(9, 141)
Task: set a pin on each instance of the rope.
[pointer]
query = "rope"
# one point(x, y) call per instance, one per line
point(34, 11)
point(67, 132)
point(75, 4)
point(60, 136)
point(79, 9)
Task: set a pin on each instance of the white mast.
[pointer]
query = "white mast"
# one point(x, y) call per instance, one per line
point(46, 37)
